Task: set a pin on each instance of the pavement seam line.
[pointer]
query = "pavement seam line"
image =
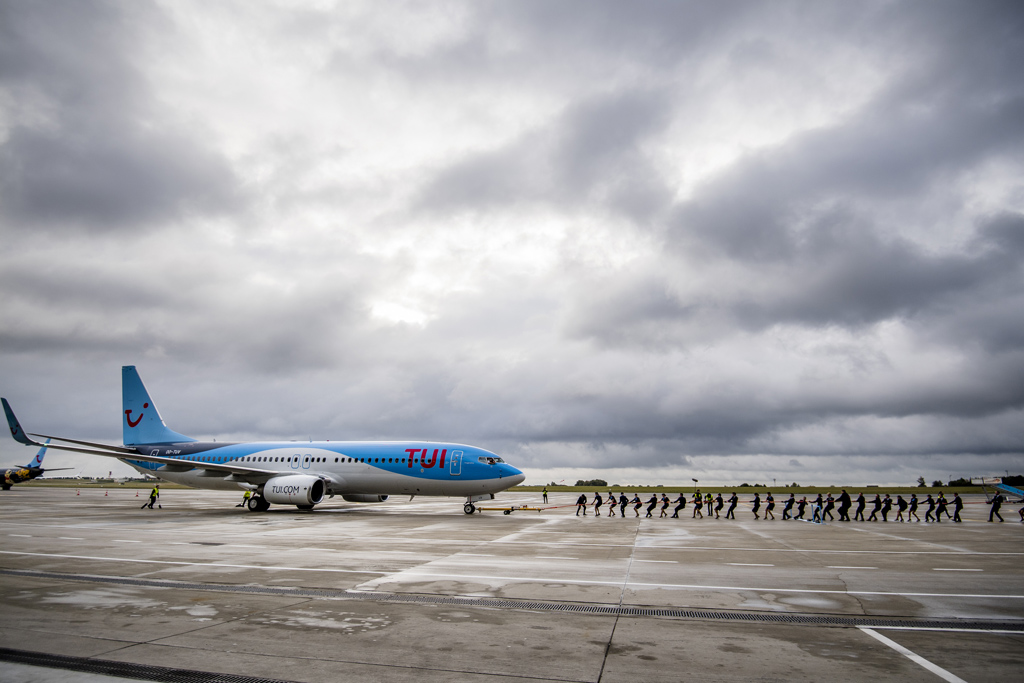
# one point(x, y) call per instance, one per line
point(622, 597)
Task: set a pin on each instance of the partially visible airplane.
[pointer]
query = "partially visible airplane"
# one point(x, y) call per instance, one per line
point(30, 471)
point(290, 472)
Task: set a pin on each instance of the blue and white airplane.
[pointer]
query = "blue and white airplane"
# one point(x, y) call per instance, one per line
point(292, 472)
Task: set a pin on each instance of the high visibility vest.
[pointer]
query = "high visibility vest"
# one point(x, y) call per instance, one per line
point(155, 493)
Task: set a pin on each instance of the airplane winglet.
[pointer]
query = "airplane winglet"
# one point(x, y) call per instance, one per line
point(16, 431)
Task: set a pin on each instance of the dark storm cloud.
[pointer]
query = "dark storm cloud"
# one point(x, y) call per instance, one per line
point(591, 153)
point(753, 211)
point(88, 146)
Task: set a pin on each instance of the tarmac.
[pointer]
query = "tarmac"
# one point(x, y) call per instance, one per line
point(95, 589)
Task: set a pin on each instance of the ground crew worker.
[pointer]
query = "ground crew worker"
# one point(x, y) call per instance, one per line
point(886, 506)
point(931, 508)
point(545, 494)
point(153, 495)
point(245, 499)
point(719, 504)
point(770, 505)
point(664, 506)
point(958, 505)
point(611, 504)
point(637, 503)
point(913, 508)
point(757, 505)
point(698, 503)
point(581, 504)
point(623, 502)
point(707, 503)
point(598, 502)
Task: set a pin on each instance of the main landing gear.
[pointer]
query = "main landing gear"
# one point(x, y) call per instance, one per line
point(258, 504)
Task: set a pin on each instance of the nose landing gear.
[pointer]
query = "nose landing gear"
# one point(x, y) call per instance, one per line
point(469, 508)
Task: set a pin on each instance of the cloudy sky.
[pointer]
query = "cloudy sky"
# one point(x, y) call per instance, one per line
point(645, 241)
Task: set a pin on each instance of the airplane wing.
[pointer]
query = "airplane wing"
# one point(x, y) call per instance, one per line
point(180, 464)
point(103, 446)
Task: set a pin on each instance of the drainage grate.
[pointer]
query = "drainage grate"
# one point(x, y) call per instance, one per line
point(141, 672)
point(539, 606)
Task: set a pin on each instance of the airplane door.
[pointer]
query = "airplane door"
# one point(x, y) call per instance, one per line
point(455, 466)
point(295, 462)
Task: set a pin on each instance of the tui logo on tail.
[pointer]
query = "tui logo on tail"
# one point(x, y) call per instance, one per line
point(128, 416)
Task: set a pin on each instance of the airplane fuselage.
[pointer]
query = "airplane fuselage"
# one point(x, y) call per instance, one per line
point(16, 475)
point(348, 467)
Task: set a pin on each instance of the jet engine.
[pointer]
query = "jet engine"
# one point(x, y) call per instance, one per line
point(294, 489)
point(365, 497)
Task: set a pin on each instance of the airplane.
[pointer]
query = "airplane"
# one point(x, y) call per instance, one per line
point(291, 472)
point(28, 472)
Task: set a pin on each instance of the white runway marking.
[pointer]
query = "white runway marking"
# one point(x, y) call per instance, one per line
point(239, 545)
point(123, 540)
point(917, 659)
point(473, 555)
point(749, 564)
point(659, 561)
point(943, 569)
point(70, 538)
point(831, 567)
point(995, 631)
point(20, 535)
point(555, 557)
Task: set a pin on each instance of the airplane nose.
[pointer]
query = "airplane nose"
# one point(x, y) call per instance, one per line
point(516, 476)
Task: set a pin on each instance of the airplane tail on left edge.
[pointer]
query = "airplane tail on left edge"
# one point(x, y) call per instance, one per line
point(142, 422)
point(16, 431)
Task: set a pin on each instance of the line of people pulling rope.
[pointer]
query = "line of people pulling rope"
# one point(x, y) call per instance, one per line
point(821, 507)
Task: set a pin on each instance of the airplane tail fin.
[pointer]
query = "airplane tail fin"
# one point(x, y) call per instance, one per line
point(142, 422)
point(16, 431)
point(38, 460)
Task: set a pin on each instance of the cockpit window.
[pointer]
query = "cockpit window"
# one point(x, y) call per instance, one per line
point(490, 460)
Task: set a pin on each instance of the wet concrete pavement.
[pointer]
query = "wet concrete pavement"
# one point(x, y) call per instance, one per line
point(364, 591)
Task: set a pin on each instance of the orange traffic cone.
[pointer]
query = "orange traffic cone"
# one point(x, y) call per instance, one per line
point(104, 493)
point(136, 494)
point(77, 492)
